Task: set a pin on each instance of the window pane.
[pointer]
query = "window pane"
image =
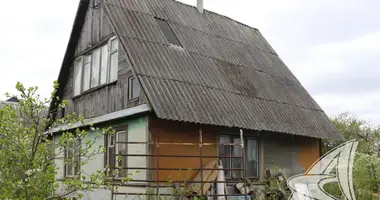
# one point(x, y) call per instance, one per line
point(225, 150)
point(114, 45)
point(134, 88)
point(113, 67)
point(252, 158)
point(95, 68)
point(237, 162)
point(111, 156)
point(104, 65)
point(77, 76)
point(122, 136)
point(86, 75)
point(69, 160)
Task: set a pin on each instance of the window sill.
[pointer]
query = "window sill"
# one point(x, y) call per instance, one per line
point(94, 89)
point(134, 99)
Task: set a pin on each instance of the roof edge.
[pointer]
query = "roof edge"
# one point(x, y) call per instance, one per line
point(70, 49)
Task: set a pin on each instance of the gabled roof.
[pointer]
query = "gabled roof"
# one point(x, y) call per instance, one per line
point(226, 74)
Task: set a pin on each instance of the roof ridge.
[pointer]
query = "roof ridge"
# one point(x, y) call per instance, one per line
point(180, 24)
point(213, 12)
point(240, 94)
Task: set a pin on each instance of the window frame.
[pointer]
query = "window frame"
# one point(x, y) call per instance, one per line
point(76, 150)
point(245, 139)
point(119, 129)
point(81, 62)
point(130, 88)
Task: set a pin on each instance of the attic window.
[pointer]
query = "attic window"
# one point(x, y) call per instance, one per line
point(96, 68)
point(168, 32)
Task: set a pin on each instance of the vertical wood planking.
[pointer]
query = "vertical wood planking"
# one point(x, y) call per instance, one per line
point(107, 99)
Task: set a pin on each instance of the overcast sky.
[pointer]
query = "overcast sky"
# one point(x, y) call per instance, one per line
point(332, 46)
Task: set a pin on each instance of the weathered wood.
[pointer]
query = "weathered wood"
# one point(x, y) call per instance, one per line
point(96, 27)
point(109, 98)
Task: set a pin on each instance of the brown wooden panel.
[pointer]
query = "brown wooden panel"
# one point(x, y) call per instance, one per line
point(172, 132)
point(310, 152)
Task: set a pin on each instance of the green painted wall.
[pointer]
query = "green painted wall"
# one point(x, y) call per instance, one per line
point(137, 132)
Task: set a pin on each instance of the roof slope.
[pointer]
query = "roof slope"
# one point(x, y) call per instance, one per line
point(226, 74)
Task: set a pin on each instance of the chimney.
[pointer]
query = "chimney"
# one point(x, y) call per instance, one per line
point(200, 6)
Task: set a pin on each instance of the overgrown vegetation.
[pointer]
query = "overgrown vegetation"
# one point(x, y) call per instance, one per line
point(366, 170)
point(28, 151)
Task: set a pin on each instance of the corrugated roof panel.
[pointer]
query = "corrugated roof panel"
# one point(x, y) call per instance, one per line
point(136, 25)
point(136, 5)
point(226, 74)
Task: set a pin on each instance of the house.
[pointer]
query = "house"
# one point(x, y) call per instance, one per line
point(174, 79)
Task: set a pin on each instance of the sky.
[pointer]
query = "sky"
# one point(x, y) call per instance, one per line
point(332, 46)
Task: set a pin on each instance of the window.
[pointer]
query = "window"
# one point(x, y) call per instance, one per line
point(96, 68)
point(251, 156)
point(72, 159)
point(133, 88)
point(77, 76)
point(168, 32)
point(114, 59)
point(116, 155)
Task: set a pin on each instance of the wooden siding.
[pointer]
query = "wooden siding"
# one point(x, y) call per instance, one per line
point(95, 28)
point(293, 154)
point(174, 132)
point(104, 99)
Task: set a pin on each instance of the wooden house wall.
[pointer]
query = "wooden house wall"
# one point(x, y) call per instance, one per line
point(173, 132)
point(108, 98)
point(292, 154)
point(95, 28)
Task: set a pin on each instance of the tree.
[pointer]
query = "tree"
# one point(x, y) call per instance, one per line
point(366, 170)
point(28, 152)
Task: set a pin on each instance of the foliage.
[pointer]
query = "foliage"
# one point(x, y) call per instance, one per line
point(275, 185)
point(366, 169)
point(28, 151)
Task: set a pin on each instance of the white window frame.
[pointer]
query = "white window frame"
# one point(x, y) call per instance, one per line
point(101, 62)
point(130, 88)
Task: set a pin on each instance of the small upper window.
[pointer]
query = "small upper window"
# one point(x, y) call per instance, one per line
point(168, 32)
point(134, 88)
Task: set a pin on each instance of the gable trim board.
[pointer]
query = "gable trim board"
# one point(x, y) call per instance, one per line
point(104, 118)
point(226, 74)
